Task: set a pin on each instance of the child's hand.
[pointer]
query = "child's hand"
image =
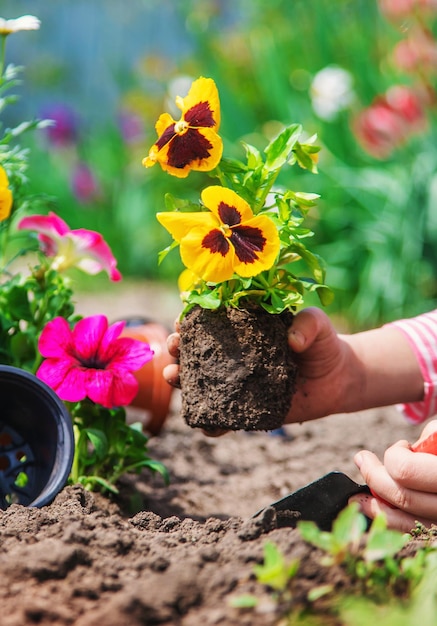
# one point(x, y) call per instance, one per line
point(171, 372)
point(406, 482)
point(322, 357)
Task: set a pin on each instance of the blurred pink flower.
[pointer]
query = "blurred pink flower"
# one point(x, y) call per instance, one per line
point(416, 53)
point(407, 104)
point(389, 121)
point(401, 9)
point(84, 184)
point(92, 360)
point(85, 249)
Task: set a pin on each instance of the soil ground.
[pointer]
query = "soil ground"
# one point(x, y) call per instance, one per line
point(177, 554)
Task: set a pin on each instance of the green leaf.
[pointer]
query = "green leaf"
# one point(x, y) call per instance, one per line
point(302, 154)
point(178, 204)
point(210, 300)
point(232, 166)
point(383, 543)
point(274, 572)
point(312, 534)
point(278, 151)
point(18, 303)
point(254, 158)
point(349, 526)
point(99, 441)
point(163, 253)
point(245, 601)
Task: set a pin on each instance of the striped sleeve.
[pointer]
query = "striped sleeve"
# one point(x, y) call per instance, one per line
point(421, 332)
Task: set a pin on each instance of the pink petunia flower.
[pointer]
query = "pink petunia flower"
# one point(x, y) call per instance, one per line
point(85, 249)
point(91, 360)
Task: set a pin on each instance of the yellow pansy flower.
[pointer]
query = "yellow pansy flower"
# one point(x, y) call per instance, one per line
point(227, 240)
point(5, 196)
point(192, 143)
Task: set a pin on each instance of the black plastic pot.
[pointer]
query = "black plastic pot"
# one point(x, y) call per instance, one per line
point(36, 440)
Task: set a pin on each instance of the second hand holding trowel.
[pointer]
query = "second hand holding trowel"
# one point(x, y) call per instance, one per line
point(323, 499)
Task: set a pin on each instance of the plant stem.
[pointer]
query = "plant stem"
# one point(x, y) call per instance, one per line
point(75, 466)
point(2, 57)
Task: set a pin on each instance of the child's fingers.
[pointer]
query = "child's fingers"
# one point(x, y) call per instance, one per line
point(396, 519)
point(171, 374)
point(420, 504)
point(173, 342)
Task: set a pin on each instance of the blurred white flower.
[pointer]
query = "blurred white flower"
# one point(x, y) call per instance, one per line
point(331, 91)
point(25, 22)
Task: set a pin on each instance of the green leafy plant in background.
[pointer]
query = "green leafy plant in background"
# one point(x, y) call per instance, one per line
point(376, 219)
point(375, 222)
point(83, 360)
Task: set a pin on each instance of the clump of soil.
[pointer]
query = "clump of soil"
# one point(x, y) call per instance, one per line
point(237, 371)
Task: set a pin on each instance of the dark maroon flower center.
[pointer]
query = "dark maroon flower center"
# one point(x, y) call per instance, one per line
point(246, 240)
point(189, 147)
point(200, 115)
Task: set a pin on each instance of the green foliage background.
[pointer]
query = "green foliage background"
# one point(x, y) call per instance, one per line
point(376, 223)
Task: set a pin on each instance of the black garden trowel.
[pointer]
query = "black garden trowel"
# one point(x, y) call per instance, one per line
point(323, 499)
point(320, 501)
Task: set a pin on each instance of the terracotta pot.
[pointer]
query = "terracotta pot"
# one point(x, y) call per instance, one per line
point(154, 394)
point(36, 440)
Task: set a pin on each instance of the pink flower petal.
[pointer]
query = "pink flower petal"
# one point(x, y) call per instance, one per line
point(95, 253)
point(111, 389)
point(130, 354)
point(50, 225)
point(66, 379)
point(73, 386)
point(87, 335)
point(92, 360)
point(55, 339)
point(86, 249)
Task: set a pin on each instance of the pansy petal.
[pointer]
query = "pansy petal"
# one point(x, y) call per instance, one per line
point(212, 261)
point(259, 246)
point(4, 182)
point(179, 224)
point(221, 200)
point(6, 201)
point(215, 152)
point(165, 121)
point(55, 339)
point(204, 90)
point(197, 149)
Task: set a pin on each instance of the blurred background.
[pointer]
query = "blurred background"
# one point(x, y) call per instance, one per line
point(359, 73)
